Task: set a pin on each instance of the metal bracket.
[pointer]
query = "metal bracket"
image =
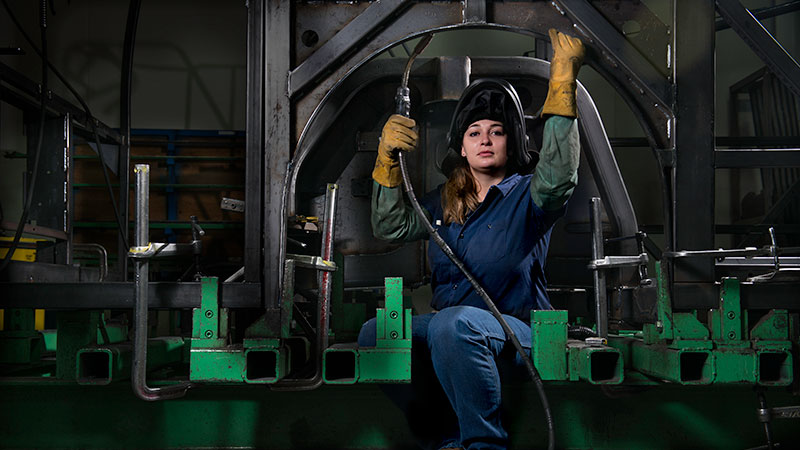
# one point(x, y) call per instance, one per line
point(312, 262)
point(783, 412)
point(611, 262)
point(231, 204)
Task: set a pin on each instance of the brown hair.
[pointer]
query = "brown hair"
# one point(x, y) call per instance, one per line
point(460, 195)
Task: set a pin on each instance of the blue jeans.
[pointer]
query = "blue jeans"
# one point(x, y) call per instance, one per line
point(457, 356)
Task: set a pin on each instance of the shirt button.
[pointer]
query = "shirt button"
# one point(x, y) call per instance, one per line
point(461, 236)
point(490, 226)
point(455, 286)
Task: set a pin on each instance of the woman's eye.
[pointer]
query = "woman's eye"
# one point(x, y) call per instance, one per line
point(499, 133)
point(473, 133)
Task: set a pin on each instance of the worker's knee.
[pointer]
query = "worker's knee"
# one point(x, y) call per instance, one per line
point(367, 336)
point(463, 325)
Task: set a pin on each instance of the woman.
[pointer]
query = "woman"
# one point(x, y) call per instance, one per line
point(497, 220)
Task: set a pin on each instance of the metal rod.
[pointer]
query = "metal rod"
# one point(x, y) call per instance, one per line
point(100, 250)
point(324, 280)
point(598, 276)
point(141, 281)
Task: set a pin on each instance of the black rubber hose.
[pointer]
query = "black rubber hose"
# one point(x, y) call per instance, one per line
point(89, 118)
point(537, 380)
point(39, 140)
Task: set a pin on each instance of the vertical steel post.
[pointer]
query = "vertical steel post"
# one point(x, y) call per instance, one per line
point(140, 287)
point(277, 151)
point(598, 276)
point(693, 175)
point(254, 141)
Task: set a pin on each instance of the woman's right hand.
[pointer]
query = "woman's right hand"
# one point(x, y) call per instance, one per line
point(398, 135)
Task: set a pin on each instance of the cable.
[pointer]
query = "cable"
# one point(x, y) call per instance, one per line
point(89, 118)
point(403, 107)
point(489, 303)
point(40, 138)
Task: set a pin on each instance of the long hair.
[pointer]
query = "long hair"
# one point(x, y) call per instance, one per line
point(460, 195)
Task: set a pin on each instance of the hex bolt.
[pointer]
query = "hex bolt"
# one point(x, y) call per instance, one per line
point(732, 335)
point(731, 315)
point(393, 315)
point(393, 335)
point(209, 334)
point(209, 313)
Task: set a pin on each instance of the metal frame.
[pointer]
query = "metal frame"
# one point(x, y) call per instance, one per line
point(287, 90)
point(674, 109)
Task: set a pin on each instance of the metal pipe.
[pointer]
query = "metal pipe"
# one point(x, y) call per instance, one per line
point(90, 247)
point(141, 281)
point(324, 281)
point(598, 276)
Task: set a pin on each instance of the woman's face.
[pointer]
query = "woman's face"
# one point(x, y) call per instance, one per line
point(484, 146)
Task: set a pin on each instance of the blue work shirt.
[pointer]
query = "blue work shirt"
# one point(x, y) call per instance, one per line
point(503, 244)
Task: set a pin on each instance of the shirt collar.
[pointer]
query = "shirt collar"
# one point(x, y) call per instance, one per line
point(508, 183)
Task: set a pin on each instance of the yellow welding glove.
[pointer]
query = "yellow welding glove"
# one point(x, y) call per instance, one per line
point(398, 135)
point(568, 53)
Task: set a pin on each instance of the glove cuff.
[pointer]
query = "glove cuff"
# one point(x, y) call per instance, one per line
point(561, 99)
point(387, 172)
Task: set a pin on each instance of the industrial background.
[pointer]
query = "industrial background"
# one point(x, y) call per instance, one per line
point(185, 250)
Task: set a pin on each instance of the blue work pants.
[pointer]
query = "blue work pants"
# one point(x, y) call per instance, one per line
point(454, 398)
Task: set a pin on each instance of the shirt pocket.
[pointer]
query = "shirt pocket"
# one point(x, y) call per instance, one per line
point(488, 243)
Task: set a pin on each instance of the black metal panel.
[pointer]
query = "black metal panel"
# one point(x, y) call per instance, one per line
point(48, 207)
point(693, 174)
point(776, 158)
point(119, 295)
point(254, 141)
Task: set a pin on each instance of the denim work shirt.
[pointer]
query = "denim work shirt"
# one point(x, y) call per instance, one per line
point(503, 243)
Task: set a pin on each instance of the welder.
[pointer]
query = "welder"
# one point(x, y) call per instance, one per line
point(497, 217)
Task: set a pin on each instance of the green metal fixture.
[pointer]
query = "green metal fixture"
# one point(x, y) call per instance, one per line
point(597, 364)
point(390, 360)
point(549, 343)
point(20, 343)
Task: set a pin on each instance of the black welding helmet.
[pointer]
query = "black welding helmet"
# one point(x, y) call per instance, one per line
point(494, 99)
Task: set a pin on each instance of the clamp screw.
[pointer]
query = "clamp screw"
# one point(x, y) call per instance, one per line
point(393, 314)
point(209, 334)
point(393, 335)
point(732, 335)
point(731, 314)
point(209, 313)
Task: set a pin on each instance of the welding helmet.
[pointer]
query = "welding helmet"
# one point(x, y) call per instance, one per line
point(494, 99)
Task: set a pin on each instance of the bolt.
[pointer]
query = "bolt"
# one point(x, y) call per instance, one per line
point(731, 315)
point(732, 335)
point(393, 335)
point(209, 313)
point(209, 334)
point(393, 314)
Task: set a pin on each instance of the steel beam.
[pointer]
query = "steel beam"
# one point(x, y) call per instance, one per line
point(693, 175)
point(119, 295)
point(342, 43)
point(254, 141)
point(772, 158)
point(277, 148)
point(779, 61)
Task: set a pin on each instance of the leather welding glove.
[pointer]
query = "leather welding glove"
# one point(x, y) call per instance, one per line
point(568, 53)
point(398, 135)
